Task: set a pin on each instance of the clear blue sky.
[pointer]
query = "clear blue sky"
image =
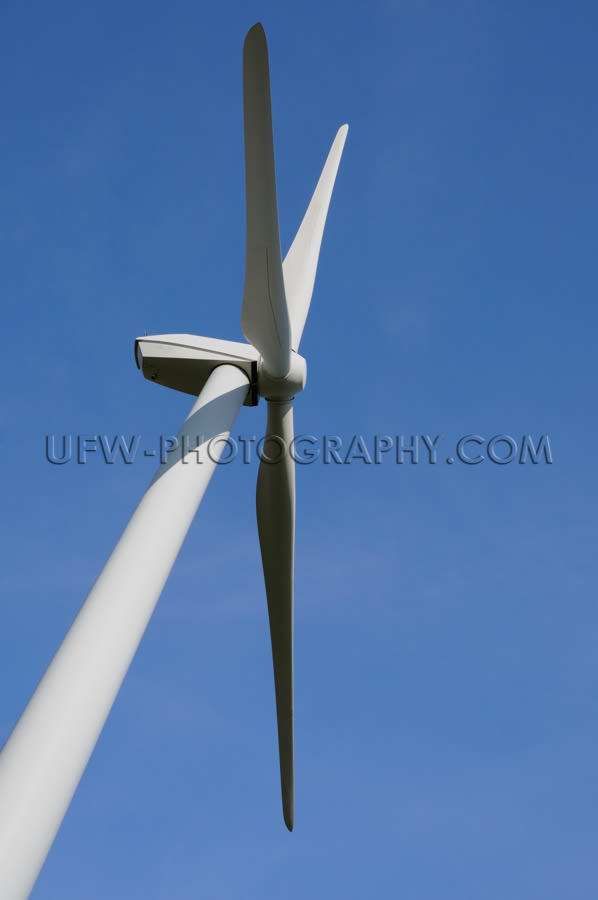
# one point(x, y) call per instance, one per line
point(446, 619)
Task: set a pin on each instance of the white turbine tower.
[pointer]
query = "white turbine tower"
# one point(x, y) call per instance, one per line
point(43, 760)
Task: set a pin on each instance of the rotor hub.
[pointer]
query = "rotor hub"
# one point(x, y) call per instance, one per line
point(273, 388)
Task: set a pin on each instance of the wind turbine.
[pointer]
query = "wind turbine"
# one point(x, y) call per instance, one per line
point(45, 756)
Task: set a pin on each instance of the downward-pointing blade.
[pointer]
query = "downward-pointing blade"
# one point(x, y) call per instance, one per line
point(264, 315)
point(275, 504)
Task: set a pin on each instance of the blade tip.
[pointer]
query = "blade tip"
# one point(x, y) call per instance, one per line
point(255, 31)
point(288, 808)
point(255, 45)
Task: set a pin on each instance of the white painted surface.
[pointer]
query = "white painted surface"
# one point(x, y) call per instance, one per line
point(300, 263)
point(45, 756)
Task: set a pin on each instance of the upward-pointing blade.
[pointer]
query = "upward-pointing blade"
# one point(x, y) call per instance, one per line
point(300, 263)
point(275, 503)
point(264, 315)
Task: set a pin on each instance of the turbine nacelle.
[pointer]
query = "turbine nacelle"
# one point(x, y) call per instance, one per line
point(184, 362)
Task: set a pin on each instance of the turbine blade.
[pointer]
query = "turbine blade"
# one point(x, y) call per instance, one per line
point(275, 503)
point(264, 315)
point(301, 262)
